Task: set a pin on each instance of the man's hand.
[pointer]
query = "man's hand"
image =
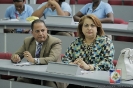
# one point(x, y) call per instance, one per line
point(15, 58)
point(29, 57)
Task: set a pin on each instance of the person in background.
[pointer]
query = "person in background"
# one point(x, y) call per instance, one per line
point(38, 49)
point(99, 8)
point(52, 8)
point(92, 51)
point(19, 11)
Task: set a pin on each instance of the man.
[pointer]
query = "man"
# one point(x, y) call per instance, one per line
point(19, 11)
point(39, 49)
point(50, 46)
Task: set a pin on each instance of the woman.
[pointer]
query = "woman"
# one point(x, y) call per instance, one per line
point(54, 7)
point(99, 8)
point(92, 50)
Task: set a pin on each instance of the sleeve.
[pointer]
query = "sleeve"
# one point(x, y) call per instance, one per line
point(21, 50)
point(68, 57)
point(30, 11)
point(106, 57)
point(108, 9)
point(7, 13)
point(84, 9)
point(66, 7)
point(54, 54)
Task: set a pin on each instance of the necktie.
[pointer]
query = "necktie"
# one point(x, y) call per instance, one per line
point(38, 50)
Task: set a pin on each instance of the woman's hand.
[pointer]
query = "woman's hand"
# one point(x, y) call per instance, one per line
point(81, 64)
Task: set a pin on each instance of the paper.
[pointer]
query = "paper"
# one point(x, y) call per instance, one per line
point(13, 20)
point(23, 64)
point(86, 72)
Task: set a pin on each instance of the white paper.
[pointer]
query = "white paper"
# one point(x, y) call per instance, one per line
point(23, 64)
point(14, 20)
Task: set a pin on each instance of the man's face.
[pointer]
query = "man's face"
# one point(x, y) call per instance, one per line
point(19, 6)
point(39, 32)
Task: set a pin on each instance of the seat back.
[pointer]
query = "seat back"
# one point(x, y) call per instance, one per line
point(5, 56)
point(128, 2)
point(114, 62)
point(72, 2)
point(6, 1)
point(40, 1)
point(84, 1)
point(119, 21)
point(115, 2)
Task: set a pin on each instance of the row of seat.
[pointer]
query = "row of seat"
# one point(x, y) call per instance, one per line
point(111, 2)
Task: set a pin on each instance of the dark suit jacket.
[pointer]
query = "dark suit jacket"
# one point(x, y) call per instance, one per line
point(51, 49)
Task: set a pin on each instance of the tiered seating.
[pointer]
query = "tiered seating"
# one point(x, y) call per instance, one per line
point(84, 1)
point(115, 2)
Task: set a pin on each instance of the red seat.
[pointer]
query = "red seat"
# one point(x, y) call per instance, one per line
point(114, 62)
point(6, 1)
point(40, 1)
point(128, 2)
point(84, 1)
point(122, 38)
point(8, 57)
point(119, 21)
point(72, 2)
point(115, 2)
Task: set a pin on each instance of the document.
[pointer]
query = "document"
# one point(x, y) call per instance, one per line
point(23, 64)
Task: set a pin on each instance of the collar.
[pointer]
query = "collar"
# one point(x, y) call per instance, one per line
point(99, 6)
point(38, 43)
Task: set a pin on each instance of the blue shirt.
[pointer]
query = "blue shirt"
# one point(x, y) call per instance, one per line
point(12, 13)
point(101, 11)
point(48, 11)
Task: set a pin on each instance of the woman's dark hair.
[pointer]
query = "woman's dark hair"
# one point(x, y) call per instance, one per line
point(96, 21)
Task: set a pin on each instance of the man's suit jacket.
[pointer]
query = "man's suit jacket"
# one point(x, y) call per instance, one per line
point(51, 49)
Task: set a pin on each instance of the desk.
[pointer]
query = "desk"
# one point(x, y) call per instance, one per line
point(112, 29)
point(95, 79)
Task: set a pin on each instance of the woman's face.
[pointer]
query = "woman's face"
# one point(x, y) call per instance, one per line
point(89, 29)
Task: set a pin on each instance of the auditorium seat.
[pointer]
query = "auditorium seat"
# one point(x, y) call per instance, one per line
point(114, 62)
point(84, 1)
point(122, 38)
point(119, 21)
point(115, 2)
point(128, 2)
point(72, 2)
point(6, 56)
point(6, 1)
point(40, 1)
